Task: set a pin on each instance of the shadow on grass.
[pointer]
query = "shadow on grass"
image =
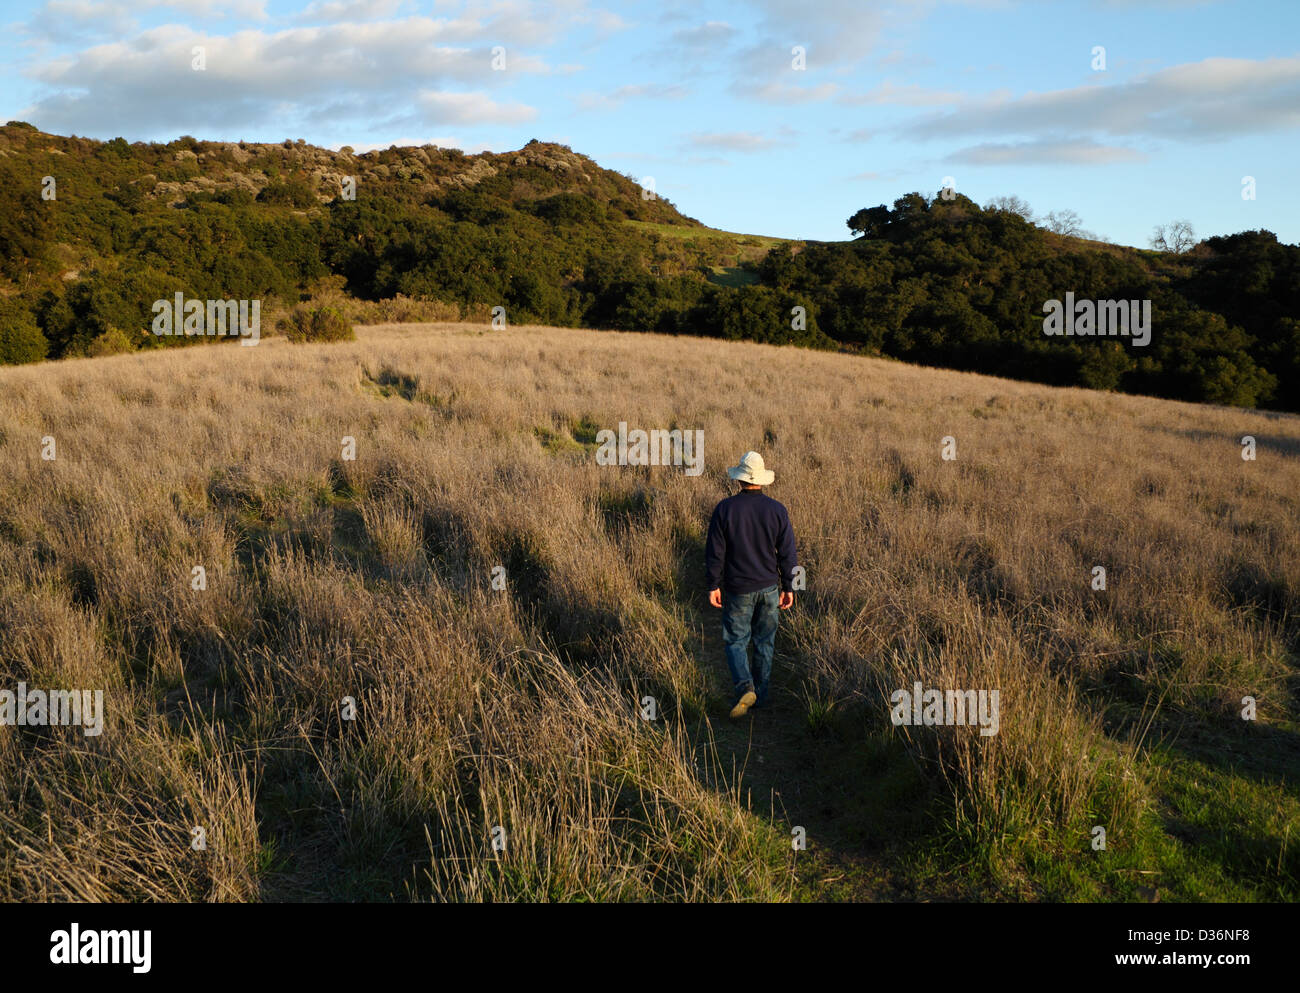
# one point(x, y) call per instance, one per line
point(872, 820)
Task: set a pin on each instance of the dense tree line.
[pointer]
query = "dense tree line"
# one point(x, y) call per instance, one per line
point(945, 282)
point(939, 281)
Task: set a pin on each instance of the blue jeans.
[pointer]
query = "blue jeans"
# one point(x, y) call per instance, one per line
point(750, 617)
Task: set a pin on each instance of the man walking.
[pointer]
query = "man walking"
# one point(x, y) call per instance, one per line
point(750, 559)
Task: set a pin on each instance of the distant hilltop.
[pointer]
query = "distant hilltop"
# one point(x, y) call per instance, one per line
point(217, 166)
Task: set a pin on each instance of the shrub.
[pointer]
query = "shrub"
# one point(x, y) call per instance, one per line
point(20, 338)
point(570, 208)
point(114, 341)
point(292, 192)
point(317, 324)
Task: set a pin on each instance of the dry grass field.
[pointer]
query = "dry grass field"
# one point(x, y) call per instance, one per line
point(233, 767)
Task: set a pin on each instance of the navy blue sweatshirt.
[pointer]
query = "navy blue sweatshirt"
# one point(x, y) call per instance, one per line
point(750, 545)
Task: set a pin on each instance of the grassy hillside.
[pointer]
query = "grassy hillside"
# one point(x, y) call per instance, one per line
point(518, 708)
point(93, 234)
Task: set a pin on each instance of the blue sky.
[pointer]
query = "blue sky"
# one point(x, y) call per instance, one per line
point(1000, 96)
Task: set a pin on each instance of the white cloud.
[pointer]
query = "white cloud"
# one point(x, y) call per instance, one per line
point(834, 32)
point(350, 10)
point(69, 21)
point(603, 22)
point(711, 36)
point(615, 99)
point(1045, 152)
point(471, 108)
point(908, 95)
point(1214, 98)
point(147, 84)
point(780, 92)
point(735, 141)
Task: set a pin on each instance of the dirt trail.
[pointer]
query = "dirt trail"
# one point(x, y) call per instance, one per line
point(796, 777)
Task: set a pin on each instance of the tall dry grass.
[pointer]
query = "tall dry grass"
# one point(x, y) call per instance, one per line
point(479, 708)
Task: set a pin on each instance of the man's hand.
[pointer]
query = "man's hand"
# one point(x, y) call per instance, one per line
point(715, 597)
point(787, 600)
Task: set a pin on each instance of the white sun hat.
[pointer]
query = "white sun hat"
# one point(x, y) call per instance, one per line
point(751, 470)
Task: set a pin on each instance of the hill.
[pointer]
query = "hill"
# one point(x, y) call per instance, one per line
point(93, 233)
point(422, 671)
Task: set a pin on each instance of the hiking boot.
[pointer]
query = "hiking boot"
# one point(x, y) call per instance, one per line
point(743, 704)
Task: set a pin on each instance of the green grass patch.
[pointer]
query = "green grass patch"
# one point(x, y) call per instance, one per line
point(574, 438)
point(732, 275)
